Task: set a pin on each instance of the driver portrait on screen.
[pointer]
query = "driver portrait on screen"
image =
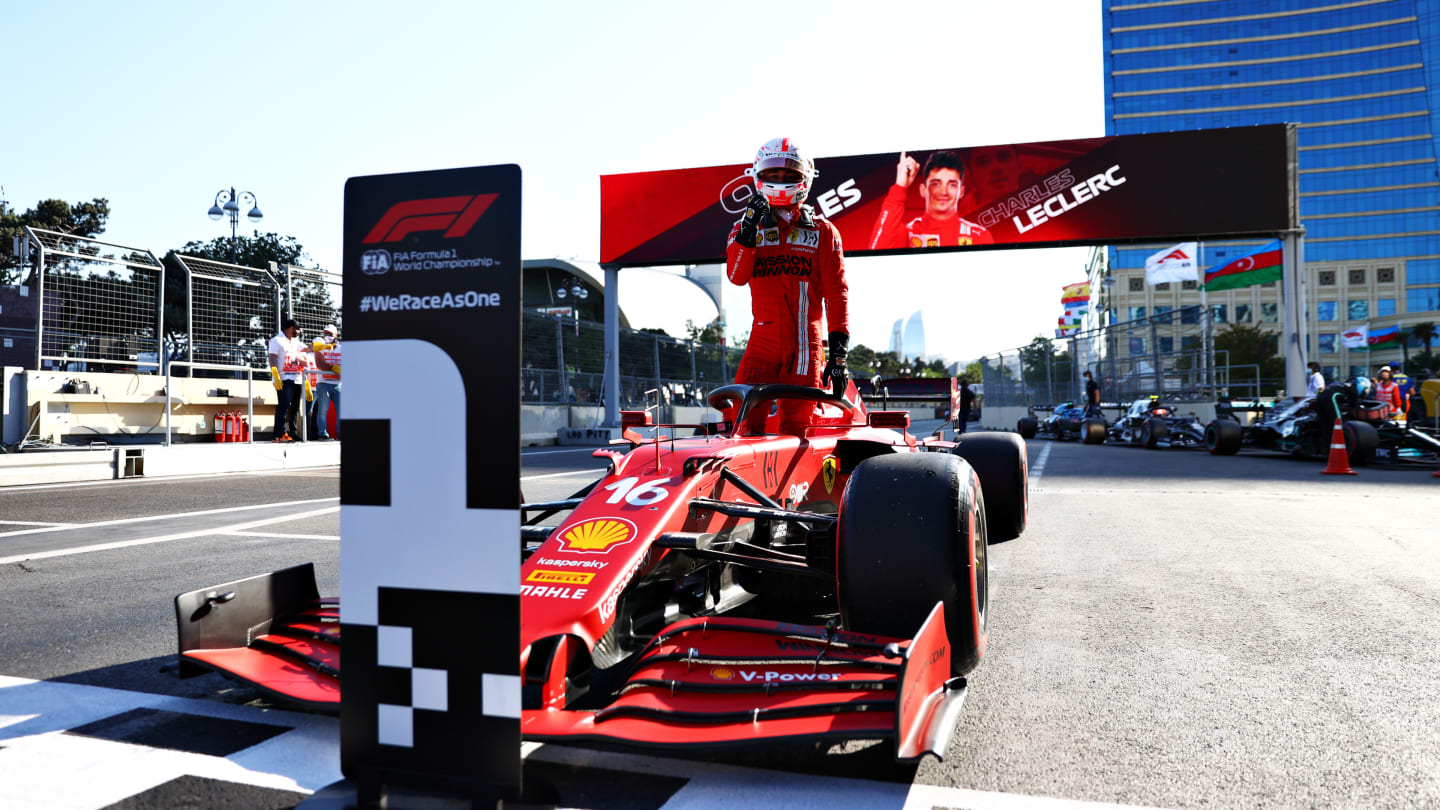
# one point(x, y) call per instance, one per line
point(942, 185)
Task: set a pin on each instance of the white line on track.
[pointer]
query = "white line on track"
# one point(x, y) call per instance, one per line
point(597, 472)
point(285, 536)
point(722, 785)
point(145, 541)
point(550, 452)
point(1038, 468)
point(67, 526)
point(33, 523)
point(167, 479)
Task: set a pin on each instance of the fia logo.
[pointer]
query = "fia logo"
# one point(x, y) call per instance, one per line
point(375, 262)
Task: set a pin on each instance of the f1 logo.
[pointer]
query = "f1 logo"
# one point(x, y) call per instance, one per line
point(453, 215)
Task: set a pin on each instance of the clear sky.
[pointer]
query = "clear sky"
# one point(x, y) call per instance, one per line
point(156, 106)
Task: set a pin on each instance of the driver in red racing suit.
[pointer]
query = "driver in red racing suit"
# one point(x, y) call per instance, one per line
point(942, 186)
point(793, 261)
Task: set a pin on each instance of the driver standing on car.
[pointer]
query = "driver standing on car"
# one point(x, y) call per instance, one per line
point(793, 261)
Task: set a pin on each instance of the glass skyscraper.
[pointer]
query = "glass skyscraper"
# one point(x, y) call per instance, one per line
point(1362, 81)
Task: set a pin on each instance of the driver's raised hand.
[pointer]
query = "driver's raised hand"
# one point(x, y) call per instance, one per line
point(906, 170)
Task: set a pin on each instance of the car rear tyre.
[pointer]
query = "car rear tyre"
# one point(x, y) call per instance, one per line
point(999, 460)
point(912, 533)
point(1026, 427)
point(1361, 439)
point(1155, 431)
point(1223, 437)
point(1094, 431)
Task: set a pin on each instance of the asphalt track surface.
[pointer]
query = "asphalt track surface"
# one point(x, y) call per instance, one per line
point(1172, 630)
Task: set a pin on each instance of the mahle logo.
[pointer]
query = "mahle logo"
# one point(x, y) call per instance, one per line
point(375, 262)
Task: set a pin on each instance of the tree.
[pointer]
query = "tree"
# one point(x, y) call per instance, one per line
point(80, 219)
point(1246, 345)
point(249, 251)
point(1426, 333)
point(710, 334)
point(861, 360)
point(888, 364)
point(974, 371)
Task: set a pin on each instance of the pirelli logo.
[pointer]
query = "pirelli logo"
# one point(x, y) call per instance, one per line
point(561, 577)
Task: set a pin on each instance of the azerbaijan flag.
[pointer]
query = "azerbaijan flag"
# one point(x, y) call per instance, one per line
point(1260, 267)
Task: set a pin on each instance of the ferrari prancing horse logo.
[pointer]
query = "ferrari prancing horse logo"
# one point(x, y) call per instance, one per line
point(827, 473)
point(597, 535)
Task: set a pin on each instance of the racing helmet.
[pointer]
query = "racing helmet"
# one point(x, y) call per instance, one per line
point(782, 153)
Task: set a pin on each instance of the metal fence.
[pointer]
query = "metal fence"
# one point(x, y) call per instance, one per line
point(100, 304)
point(312, 297)
point(563, 361)
point(1171, 354)
point(233, 312)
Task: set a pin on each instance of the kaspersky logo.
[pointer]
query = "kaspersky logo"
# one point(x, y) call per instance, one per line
point(453, 215)
point(597, 535)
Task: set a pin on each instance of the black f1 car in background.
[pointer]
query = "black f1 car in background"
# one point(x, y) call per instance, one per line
point(1304, 427)
point(1065, 422)
point(942, 393)
point(715, 590)
point(1151, 423)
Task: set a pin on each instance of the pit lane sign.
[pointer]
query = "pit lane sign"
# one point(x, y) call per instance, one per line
point(430, 465)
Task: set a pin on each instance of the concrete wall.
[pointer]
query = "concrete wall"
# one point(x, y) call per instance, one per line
point(133, 405)
point(198, 459)
point(57, 467)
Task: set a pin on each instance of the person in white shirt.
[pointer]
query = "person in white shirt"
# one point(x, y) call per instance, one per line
point(1317, 380)
point(287, 369)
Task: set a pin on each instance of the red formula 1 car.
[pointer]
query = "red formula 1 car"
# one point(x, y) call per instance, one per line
point(715, 590)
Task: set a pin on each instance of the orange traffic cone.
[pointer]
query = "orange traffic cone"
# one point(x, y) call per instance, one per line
point(1339, 459)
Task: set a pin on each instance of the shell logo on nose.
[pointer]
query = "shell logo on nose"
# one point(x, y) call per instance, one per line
point(722, 673)
point(597, 535)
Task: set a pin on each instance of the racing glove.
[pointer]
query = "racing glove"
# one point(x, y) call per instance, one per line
point(275, 378)
point(755, 211)
point(835, 366)
point(309, 392)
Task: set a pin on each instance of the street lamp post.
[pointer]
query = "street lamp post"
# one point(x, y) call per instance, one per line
point(226, 203)
point(576, 293)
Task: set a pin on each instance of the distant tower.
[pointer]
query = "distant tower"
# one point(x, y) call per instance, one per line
point(897, 333)
point(914, 341)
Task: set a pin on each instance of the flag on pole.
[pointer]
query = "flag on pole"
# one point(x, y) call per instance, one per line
point(1065, 331)
point(1178, 263)
point(1260, 267)
point(1356, 337)
point(1076, 293)
point(1387, 338)
point(1068, 321)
